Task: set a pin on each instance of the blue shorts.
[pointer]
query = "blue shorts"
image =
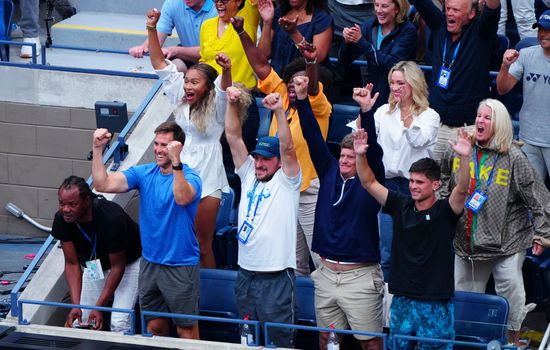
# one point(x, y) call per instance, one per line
point(429, 319)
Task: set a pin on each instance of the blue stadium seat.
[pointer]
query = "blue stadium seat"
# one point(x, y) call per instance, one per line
point(305, 297)
point(341, 115)
point(480, 317)
point(218, 300)
point(6, 13)
point(224, 244)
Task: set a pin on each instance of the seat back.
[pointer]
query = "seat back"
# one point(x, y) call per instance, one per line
point(224, 213)
point(305, 298)
point(480, 317)
point(341, 115)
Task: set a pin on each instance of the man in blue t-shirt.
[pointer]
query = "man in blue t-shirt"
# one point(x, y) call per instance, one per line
point(422, 260)
point(169, 196)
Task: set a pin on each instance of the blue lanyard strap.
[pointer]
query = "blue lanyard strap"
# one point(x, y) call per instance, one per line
point(454, 54)
point(250, 196)
point(476, 169)
point(89, 240)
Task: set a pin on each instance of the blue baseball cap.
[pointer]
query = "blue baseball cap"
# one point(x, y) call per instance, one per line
point(544, 21)
point(267, 147)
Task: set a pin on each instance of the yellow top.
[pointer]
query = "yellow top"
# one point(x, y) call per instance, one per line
point(321, 110)
point(210, 44)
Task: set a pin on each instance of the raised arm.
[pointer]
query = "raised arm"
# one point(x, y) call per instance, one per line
point(184, 192)
point(103, 181)
point(309, 51)
point(368, 180)
point(505, 80)
point(259, 63)
point(267, 13)
point(274, 102)
point(155, 51)
point(233, 130)
point(462, 147)
point(223, 61)
point(433, 16)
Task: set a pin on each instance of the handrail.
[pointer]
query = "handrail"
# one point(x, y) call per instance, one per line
point(544, 343)
point(256, 324)
point(22, 43)
point(110, 153)
point(21, 321)
point(267, 325)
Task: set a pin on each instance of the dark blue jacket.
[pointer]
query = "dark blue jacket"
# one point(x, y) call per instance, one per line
point(346, 215)
point(398, 45)
point(470, 80)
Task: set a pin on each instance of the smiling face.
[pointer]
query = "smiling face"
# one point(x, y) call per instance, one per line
point(72, 206)
point(227, 9)
point(346, 162)
point(386, 11)
point(544, 39)
point(458, 13)
point(400, 88)
point(484, 127)
point(265, 168)
point(160, 149)
point(195, 86)
point(421, 187)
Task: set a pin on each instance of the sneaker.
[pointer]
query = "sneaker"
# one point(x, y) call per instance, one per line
point(26, 51)
point(16, 32)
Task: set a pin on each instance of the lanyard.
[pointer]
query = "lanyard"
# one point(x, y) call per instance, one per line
point(89, 240)
point(476, 169)
point(250, 196)
point(454, 54)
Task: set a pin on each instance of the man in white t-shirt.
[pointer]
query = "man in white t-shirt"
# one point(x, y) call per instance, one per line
point(270, 179)
point(531, 66)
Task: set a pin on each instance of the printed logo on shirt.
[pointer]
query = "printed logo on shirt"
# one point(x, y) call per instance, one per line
point(501, 176)
point(534, 77)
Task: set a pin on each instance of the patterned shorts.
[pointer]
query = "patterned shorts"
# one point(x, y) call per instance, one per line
point(428, 319)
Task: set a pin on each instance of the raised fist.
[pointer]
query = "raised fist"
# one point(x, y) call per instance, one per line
point(152, 17)
point(101, 138)
point(223, 60)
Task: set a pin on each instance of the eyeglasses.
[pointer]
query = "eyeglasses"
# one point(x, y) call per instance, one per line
point(222, 1)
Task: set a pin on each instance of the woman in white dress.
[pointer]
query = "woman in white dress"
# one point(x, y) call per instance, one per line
point(199, 98)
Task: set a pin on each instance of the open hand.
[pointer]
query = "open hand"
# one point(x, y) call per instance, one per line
point(463, 143)
point(266, 9)
point(360, 142)
point(289, 25)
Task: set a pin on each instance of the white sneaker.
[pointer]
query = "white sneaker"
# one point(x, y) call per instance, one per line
point(26, 51)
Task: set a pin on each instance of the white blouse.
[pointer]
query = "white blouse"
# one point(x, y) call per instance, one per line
point(201, 151)
point(403, 146)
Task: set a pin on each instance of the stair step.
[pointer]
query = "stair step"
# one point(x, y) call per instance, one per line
point(133, 7)
point(110, 31)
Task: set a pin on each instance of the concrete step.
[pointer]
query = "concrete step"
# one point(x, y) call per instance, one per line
point(111, 31)
point(132, 7)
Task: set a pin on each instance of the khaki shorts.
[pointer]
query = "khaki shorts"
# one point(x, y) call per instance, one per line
point(350, 299)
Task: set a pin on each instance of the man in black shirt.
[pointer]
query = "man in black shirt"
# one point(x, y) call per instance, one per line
point(422, 259)
point(102, 247)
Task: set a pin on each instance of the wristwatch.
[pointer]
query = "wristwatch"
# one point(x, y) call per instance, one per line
point(177, 167)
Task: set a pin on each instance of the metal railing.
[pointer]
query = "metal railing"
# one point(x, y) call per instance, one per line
point(22, 321)
point(256, 324)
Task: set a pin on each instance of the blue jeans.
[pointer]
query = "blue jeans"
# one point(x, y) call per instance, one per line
point(400, 185)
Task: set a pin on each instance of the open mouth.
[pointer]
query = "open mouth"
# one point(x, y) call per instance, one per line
point(189, 96)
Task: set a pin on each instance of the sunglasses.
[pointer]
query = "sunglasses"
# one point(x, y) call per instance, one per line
point(222, 1)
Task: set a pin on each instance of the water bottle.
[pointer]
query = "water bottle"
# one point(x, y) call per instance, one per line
point(246, 334)
point(333, 343)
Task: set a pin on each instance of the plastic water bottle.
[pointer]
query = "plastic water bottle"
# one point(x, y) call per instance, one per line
point(246, 334)
point(333, 343)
